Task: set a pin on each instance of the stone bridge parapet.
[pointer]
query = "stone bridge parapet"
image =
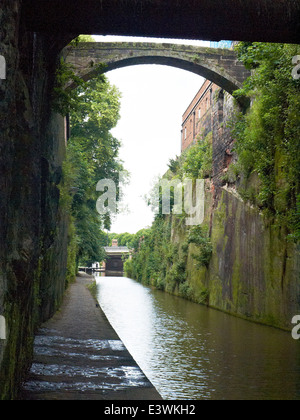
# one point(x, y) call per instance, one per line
point(221, 66)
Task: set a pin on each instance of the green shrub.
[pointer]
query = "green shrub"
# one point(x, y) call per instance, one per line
point(199, 236)
point(267, 137)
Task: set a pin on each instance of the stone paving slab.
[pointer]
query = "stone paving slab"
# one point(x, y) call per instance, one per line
point(79, 356)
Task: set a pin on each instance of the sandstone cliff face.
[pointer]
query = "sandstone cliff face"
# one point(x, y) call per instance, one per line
point(33, 232)
point(255, 270)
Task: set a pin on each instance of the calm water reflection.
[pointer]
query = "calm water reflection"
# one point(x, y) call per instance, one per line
point(189, 351)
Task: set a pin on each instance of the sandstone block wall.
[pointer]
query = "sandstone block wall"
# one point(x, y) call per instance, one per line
point(33, 230)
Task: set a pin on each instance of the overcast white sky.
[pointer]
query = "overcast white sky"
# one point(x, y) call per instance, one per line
point(154, 99)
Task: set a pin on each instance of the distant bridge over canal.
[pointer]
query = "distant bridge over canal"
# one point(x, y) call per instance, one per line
point(113, 266)
point(116, 255)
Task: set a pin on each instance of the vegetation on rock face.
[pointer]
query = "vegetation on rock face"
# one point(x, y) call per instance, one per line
point(180, 259)
point(64, 100)
point(199, 236)
point(198, 159)
point(162, 261)
point(162, 252)
point(195, 162)
point(131, 240)
point(268, 136)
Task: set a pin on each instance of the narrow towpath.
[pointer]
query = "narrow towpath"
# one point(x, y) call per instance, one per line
point(79, 356)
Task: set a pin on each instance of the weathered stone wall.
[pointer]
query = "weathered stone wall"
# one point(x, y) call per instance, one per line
point(223, 111)
point(254, 271)
point(32, 227)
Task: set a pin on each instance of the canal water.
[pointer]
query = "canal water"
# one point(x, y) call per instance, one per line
point(192, 352)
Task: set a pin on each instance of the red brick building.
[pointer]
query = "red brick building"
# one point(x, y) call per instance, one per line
point(209, 112)
point(197, 119)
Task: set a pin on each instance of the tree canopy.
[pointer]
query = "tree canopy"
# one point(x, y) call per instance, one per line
point(92, 155)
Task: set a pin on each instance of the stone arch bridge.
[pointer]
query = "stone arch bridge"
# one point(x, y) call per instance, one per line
point(221, 66)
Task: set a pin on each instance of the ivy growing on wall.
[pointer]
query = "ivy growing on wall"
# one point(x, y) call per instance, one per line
point(199, 236)
point(160, 260)
point(268, 136)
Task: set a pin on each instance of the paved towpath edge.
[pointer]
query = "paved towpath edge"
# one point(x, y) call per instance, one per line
point(79, 356)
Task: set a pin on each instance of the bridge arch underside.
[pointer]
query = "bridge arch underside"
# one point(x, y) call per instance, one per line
point(224, 80)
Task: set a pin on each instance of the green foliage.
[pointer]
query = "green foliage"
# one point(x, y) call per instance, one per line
point(72, 253)
point(82, 38)
point(65, 100)
point(162, 262)
point(296, 234)
point(98, 109)
point(128, 268)
point(159, 261)
point(247, 53)
point(131, 240)
point(148, 264)
point(199, 236)
point(92, 155)
point(297, 219)
point(198, 159)
point(195, 162)
point(174, 165)
point(268, 138)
